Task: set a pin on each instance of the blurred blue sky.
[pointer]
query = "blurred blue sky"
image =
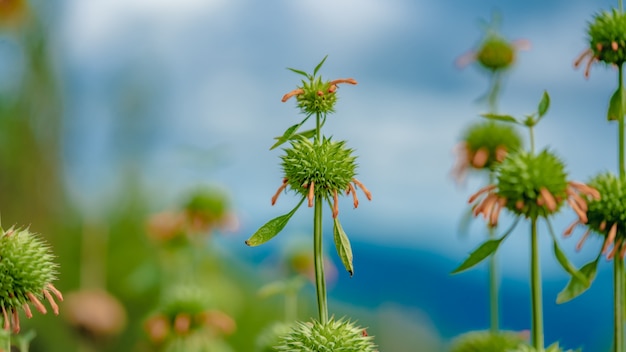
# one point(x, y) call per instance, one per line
point(196, 85)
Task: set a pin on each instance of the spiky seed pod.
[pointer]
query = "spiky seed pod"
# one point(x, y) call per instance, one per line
point(27, 271)
point(607, 37)
point(486, 341)
point(495, 53)
point(335, 335)
point(527, 348)
point(328, 167)
point(523, 179)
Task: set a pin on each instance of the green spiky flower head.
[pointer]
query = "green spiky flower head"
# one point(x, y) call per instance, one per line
point(527, 348)
point(336, 335)
point(486, 341)
point(533, 185)
point(326, 168)
point(607, 214)
point(607, 37)
point(316, 96)
point(27, 271)
point(495, 53)
point(487, 143)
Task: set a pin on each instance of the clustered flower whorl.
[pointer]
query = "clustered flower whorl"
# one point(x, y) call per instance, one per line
point(483, 146)
point(532, 185)
point(316, 96)
point(27, 271)
point(495, 53)
point(336, 335)
point(607, 40)
point(607, 215)
point(320, 170)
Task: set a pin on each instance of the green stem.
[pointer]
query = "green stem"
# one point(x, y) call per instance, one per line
point(535, 289)
point(618, 262)
point(622, 169)
point(620, 5)
point(618, 309)
point(493, 280)
point(318, 128)
point(532, 139)
point(493, 289)
point(318, 252)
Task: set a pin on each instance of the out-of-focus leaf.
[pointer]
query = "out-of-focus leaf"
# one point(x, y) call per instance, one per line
point(544, 104)
point(498, 117)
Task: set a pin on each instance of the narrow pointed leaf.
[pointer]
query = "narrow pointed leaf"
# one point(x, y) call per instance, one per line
point(271, 228)
point(575, 287)
point(562, 259)
point(317, 68)
point(308, 133)
point(299, 72)
point(616, 106)
point(568, 266)
point(498, 117)
point(483, 251)
point(344, 250)
point(544, 104)
point(289, 133)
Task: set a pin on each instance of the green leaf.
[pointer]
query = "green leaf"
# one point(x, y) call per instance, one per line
point(299, 72)
point(616, 109)
point(478, 255)
point(575, 287)
point(308, 133)
point(317, 68)
point(484, 250)
point(568, 266)
point(343, 246)
point(290, 132)
point(271, 228)
point(544, 104)
point(498, 117)
point(562, 259)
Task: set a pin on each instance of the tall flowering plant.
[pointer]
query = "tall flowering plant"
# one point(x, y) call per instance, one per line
point(318, 169)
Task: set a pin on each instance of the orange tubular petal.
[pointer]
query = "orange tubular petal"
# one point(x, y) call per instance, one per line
point(53, 304)
point(335, 205)
point(549, 199)
point(27, 311)
point(522, 44)
point(582, 57)
point(343, 80)
point(495, 214)
point(622, 251)
point(292, 93)
point(485, 189)
point(368, 194)
point(311, 193)
point(586, 190)
point(486, 206)
point(618, 243)
point(355, 199)
point(580, 243)
point(38, 305)
point(614, 46)
point(465, 59)
point(582, 204)
point(280, 189)
point(16, 321)
point(568, 231)
point(603, 225)
point(610, 238)
point(480, 158)
point(56, 292)
point(501, 153)
point(581, 214)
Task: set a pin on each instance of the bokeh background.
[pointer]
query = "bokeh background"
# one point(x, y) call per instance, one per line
point(112, 111)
